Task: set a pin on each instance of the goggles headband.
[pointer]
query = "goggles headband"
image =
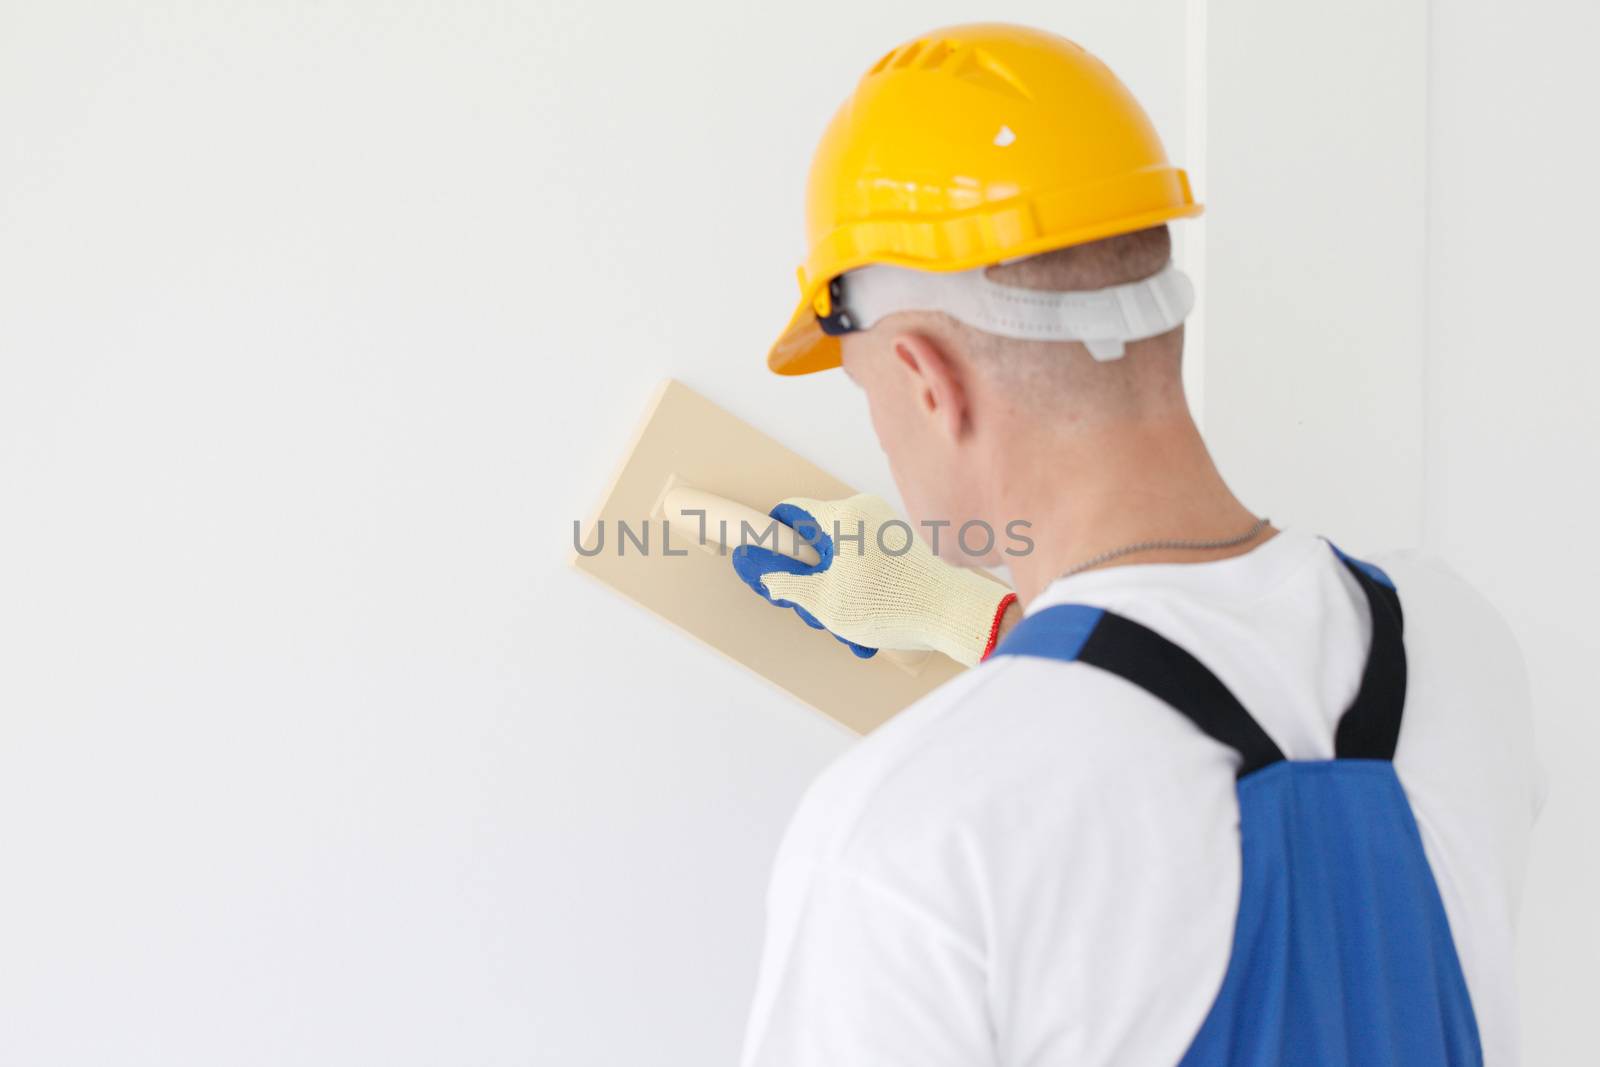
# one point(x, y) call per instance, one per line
point(1104, 320)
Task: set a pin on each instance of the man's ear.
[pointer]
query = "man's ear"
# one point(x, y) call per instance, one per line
point(934, 379)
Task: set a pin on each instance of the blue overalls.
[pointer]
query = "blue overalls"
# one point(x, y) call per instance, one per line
point(1341, 950)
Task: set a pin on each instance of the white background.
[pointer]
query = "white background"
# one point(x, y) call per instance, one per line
point(321, 323)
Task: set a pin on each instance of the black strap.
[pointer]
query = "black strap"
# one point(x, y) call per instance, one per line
point(1370, 726)
point(1156, 665)
point(1368, 729)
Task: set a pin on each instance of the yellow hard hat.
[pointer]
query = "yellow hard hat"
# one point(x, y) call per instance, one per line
point(969, 146)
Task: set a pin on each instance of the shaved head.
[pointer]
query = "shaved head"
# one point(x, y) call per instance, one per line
point(966, 416)
point(1091, 454)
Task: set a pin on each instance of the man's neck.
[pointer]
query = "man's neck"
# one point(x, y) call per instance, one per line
point(1091, 491)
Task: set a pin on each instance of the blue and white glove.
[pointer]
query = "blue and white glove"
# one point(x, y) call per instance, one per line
point(870, 598)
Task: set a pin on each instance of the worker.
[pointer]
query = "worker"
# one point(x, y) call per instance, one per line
point(1215, 791)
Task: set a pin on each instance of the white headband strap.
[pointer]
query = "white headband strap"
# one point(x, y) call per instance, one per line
point(1103, 319)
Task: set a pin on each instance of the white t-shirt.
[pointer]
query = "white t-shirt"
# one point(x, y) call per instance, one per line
point(1038, 864)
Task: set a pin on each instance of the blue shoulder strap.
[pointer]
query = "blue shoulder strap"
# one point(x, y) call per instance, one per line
point(1342, 952)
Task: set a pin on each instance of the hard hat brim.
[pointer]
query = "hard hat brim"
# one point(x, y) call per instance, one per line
point(803, 348)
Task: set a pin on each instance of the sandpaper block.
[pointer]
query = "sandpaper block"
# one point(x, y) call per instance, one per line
point(690, 455)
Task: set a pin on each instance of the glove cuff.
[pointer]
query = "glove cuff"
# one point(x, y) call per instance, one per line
point(969, 624)
point(994, 628)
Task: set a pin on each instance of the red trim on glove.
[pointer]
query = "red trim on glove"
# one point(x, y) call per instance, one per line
point(994, 630)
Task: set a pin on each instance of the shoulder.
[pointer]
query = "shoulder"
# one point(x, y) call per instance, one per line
point(1427, 574)
point(832, 807)
point(1013, 731)
point(1468, 691)
point(1034, 795)
point(1447, 615)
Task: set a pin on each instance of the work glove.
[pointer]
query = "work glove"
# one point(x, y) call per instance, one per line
point(870, 598)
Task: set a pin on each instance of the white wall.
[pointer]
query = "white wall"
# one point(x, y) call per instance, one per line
point(1513, 443)
point(1316, 168)
point(319, 324)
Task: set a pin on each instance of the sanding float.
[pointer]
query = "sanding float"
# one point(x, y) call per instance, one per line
point(696, 482)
